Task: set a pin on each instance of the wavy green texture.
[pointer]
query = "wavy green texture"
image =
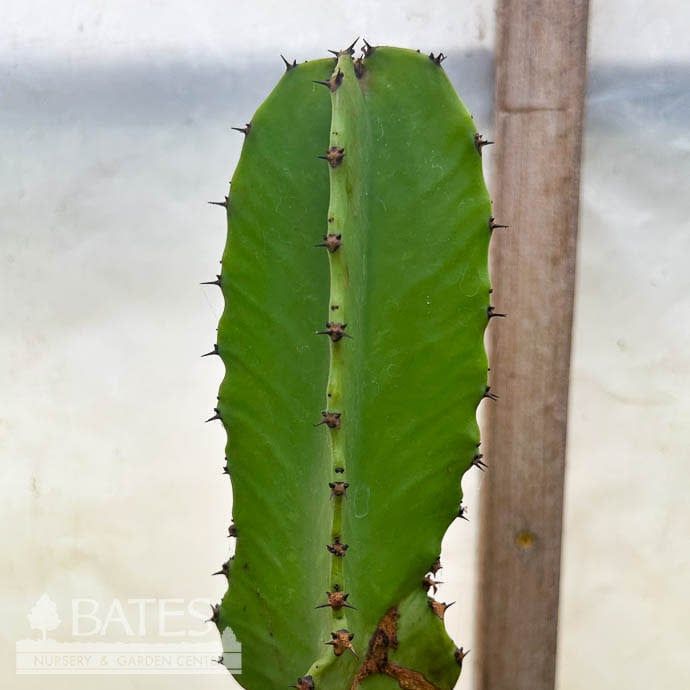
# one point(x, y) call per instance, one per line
point(411, 282)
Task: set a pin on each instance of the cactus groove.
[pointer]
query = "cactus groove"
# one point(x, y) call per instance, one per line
point(356, 296)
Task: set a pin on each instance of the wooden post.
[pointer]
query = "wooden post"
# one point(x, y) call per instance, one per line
point(540, 79)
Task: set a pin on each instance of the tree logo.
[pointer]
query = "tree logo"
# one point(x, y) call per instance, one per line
point(44, 616)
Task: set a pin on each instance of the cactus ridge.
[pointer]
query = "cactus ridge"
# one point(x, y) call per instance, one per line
point(346, 452)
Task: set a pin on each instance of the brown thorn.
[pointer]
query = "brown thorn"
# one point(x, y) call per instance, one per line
point(213, 352)
point(245, 130)
point(232, 530)
point(462, 512)
point(480, 142)
point(439, 608)
point(337, 548)
point(335, 331)
point(437, 59)
point(333, 83)
point(334, 156)
point(289, 65)
point(341, 641)
point(217, 281)
point(336, 600)
point(224, 204)
point(460, 655)
point(492, 313)
point(332, 242)
point(304, 683)
point(368, 48)
point(477, 462)
point(436, 566)
point(330, 419)
point(215, 416)
point(428, 583)
point(489, 394)
point(493, 225)
point(338, 488)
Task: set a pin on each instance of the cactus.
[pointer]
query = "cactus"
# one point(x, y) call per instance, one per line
point(356, 297)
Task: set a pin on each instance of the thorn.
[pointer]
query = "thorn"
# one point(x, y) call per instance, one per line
point(460, 654)
point(334, 156)
point(462, 512)
point(347, 51)
point(245, 130)
point(338, 488)
point(341, 641)
point(429, 583)
point(220, 660)
point(334, 82)
point(337, 549)
point(226, 471)
point(493, 314)
point(336, 600)
point(213, 352)
point(489, 394)
point(224, 204)
point(339, 470)
point(368, 48)
point(330, 419)
point(439, 608)
point(477, 462)
point(215, 614)
point(480, 142)
point(289, 65)
point(493, 225)
point(437, 59)
point(335, 331)
point(225, 569)
point(304, 683)
point(215, 416)
point(217, 281)
point(331, 241)
point(232, 530)
point(436, 566)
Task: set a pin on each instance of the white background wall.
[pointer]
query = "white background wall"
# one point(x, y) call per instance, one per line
point(114, 128)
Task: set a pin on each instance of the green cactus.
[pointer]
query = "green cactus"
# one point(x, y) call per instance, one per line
point(347, 441)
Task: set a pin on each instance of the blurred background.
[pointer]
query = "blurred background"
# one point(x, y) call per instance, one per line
point(114, 131)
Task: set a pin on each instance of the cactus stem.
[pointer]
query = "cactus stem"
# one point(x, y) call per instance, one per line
point(489, 394)
point(480, 142)
point(245, 130)
point(335, 331)
point(224, 204)
point(217, 281)
point(493, 314)
point(341, 641)
point(289, 65)
point(439, 607)
point(332, 241)
point(338, 488)
point(214, 351)
point(437, 59)
point(215, 416)
point(330, 419)
point(334, 156)
point(493, 225)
